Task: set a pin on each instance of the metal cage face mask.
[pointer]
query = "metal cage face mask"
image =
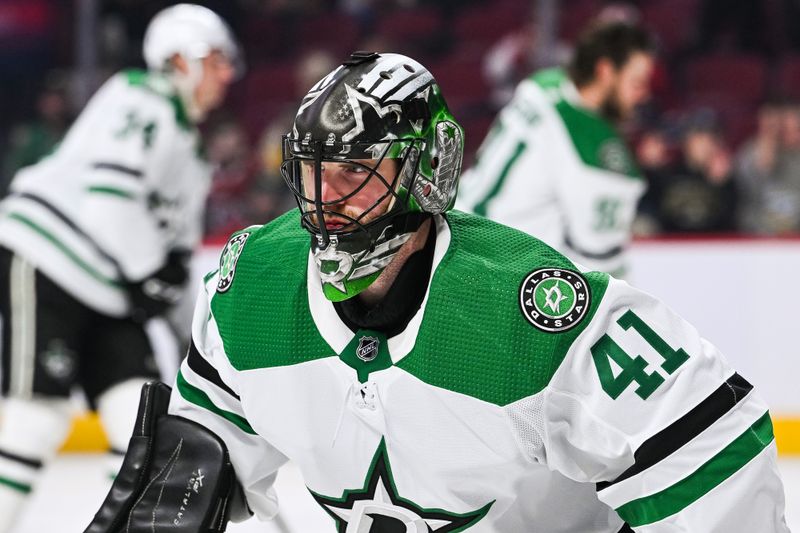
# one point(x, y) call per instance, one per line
point(355, 206)
point(373, 109)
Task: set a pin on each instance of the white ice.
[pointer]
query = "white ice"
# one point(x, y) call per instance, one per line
point(74, 485)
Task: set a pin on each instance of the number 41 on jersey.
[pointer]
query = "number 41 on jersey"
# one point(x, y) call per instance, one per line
point(606, 350)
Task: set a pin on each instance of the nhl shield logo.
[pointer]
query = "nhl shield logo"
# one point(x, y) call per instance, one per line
point(227, 262)
point(554, 299)
point(367, 349)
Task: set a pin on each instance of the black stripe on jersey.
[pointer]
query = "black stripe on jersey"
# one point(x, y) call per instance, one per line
point(73, 226)
point(103, 165)
point(203, 368)
point(608, 254)
point(32, 463)
point(683, 430)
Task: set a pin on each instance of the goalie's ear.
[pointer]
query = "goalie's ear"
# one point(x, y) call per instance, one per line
point(176, 476)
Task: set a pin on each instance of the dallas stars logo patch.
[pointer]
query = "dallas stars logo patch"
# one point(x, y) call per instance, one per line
point(554, 299)
point(227, 262)
point(378, 508)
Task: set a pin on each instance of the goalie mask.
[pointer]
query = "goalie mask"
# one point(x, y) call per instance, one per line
point(373, 152)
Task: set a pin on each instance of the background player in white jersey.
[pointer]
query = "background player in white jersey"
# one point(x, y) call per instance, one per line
point(429, 370)
point(553, 164)
point(95, 240)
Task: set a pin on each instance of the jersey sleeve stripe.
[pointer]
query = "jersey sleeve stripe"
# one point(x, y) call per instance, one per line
point(115, 167)
point(66, 250)
point(19, 473)
point(220, 398)
point(686, 428)
point(194, 395)
point(113, 191)
point(684, 461)
point(30, 463)
point(482, 207)
point(203, 368)
point(611, 253)
point(674, 499)
point(15, 485)
point(54, 211)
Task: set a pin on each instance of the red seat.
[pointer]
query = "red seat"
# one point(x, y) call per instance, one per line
point(461, 81)
point(486, 24)
point(575, 17)
point(270, 82)
point(668, 23)
point(258, 115)
point(742, 77)
point(337, 33)
point(788, 77)
point(405, 25)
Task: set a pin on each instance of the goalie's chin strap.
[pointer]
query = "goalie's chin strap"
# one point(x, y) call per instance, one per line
point(176, 477)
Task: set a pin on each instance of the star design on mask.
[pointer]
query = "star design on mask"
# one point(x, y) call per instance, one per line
point(378, 508)
point(450, 131)
point(345, 111)
point(367, 108)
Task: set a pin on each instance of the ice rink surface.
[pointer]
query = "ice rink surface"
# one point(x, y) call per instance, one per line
point(75, 484)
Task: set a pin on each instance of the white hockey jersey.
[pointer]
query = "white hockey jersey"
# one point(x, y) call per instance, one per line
point(558, 171)
point(524, 395)
point(127, 185)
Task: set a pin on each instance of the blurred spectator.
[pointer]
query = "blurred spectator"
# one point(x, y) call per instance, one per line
point(698, 195)
point(653, 153)
point(269, 197)
point(33, 140)
point(625, 12)
point(248, 187)
point(769, 171)
point(363, 11)
point(229, 153)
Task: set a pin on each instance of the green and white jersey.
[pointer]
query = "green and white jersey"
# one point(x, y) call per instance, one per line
point(524, 395)
point(558, 171)
point(127, 184)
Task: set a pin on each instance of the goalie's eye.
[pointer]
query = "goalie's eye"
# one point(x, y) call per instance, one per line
point(356, 170)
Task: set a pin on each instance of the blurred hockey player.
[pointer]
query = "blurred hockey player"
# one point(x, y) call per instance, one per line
point(554, 166)
point(95, 240)
point(431, 371)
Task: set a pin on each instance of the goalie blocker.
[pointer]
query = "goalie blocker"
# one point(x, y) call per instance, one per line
point(176, 477)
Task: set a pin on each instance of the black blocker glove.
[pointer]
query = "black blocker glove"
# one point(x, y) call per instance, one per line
point(161, 290)
point(176, 477)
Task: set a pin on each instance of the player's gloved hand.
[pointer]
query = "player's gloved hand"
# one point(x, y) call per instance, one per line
point(162, 289)
point(177, 477)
